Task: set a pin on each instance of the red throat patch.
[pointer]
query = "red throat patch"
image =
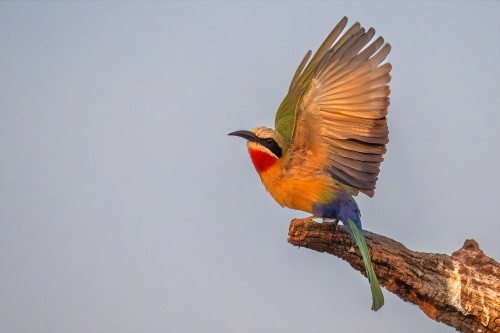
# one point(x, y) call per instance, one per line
point(262, 160)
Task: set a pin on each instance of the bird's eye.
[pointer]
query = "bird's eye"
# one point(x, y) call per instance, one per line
point(270, 141)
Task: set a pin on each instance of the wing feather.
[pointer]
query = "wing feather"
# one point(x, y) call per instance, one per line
point(341, 117)
point(287, 114)
point(357, 146)
point(367, 167)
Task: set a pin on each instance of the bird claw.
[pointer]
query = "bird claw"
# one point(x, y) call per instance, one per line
point(331, 220)
point(324, 219)
point(313, 218)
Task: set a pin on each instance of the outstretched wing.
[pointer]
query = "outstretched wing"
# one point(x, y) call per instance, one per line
point(286, 116)
point(340, 118)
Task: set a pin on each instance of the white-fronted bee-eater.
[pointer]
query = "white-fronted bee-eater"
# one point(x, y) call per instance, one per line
point(331, 133)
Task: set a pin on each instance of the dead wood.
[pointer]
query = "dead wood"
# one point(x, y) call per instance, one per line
point(461, 290)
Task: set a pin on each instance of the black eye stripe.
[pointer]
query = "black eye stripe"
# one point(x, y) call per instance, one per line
point(271, 144)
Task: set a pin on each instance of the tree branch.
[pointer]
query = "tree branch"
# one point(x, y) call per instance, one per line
point(461, 290)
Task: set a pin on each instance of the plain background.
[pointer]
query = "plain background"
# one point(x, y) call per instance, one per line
point(124, 206)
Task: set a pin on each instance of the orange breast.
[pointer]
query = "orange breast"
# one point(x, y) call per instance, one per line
point(293, 188)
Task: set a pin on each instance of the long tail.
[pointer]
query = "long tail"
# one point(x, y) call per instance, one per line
point(377, 296)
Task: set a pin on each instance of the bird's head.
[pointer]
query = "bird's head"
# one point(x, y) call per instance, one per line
point(265, 145)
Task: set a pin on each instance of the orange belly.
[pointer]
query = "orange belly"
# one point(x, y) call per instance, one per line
point(298, 190)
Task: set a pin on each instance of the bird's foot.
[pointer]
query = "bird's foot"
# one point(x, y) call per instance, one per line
point(322, 219)
point(331, 220)
point(314, 218)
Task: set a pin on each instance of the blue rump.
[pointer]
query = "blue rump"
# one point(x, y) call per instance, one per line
point(343, 208)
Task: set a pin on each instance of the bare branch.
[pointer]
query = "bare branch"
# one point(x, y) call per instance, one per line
point(461, 290)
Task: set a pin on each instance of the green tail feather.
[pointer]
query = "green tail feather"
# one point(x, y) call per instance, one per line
point(377, 296)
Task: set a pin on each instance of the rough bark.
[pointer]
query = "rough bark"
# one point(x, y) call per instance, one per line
point(461, 290)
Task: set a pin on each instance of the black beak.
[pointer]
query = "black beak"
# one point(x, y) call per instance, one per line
point(245, 135)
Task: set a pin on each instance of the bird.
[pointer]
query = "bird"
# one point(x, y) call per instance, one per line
point(330, 134)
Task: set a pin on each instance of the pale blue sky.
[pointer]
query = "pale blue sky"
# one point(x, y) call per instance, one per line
point(124, 207)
